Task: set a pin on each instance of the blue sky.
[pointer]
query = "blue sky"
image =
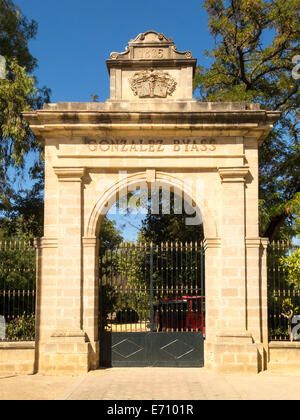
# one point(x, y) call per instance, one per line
point(75, 38)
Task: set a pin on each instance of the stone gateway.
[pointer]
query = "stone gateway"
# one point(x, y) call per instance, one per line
point(152, 128)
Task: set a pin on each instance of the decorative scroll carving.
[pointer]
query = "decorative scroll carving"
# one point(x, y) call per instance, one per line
point(115, 55)
point(151, 84)
point(151, 45)
point(187, 54)
point(153, 37)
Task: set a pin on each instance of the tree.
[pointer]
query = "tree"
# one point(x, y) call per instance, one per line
point(23, 216)
point(110, 236)
point(253, 61)
point(18, 92)
point(291, 265)
point(158, 228)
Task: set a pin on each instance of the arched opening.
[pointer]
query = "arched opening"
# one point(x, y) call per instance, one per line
point(151, 283)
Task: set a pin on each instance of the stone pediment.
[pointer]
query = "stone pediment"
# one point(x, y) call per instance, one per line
point(151, 68)
point(151, 45)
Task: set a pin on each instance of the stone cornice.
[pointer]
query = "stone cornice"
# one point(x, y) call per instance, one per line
point(68, 118)
point(66, 174)
point(146, 64)
point(49, 124)
point(236, 119)
point(229, 175)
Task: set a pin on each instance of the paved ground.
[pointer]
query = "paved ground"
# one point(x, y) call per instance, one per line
point(33, 387)
point(153, 384)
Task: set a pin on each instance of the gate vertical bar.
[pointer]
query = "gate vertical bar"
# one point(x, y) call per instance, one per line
point(151, 288)
point(202, 301)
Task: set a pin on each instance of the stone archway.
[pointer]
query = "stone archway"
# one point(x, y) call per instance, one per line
point(112, 192)
point(161, 311)
point(152, 128)
point(150, 179)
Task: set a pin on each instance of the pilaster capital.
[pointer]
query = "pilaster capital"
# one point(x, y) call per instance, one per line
point(212, 243)
point(89, 242)
point(65, 174)
point(264, 242)
point(253, 242)
point(233, 174)
point(44, 242)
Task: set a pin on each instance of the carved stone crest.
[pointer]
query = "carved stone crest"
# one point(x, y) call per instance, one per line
point(152, 84)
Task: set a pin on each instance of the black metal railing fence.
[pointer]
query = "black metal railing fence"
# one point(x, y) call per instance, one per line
point(149, 286)
point(283, 295)
point(17, 290)
point(172, 264)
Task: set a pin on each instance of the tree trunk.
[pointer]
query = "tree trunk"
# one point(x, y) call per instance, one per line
point(290, 329)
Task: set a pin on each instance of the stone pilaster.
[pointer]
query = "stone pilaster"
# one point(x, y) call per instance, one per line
point(67, 349)
point(233, 348)
point(233, 291)
point(46, 286)
point(91, 297)
point(264, 297)
point(213, 280)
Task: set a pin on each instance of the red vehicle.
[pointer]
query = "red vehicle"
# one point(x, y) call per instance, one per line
point(181, 313)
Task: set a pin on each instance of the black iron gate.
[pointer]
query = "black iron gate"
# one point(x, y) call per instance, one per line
point(152, 305)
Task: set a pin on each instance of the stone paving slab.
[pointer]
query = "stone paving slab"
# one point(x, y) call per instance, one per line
point(34, 387)
point(181, 384)
point(153, 384)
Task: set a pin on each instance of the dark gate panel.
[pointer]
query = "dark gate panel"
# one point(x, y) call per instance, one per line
point(181, 349)
point(152, 304)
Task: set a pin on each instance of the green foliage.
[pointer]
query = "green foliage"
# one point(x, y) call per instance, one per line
point(133, 265)
point(21, 328)
point(17, 266)
point(291, 265)
point(252, 61)
point(16, 31)
point(23, 216)
point(288, 309)
point(15, 96)
point(283, 296)
point(124, 264)
point(158, 228)
point(110, 237)
point(280, 332)
point(18, 93)
point(17, 278)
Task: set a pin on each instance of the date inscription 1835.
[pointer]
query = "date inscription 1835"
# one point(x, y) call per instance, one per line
point(152, 145)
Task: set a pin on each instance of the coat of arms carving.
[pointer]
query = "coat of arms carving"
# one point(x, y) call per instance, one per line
point(152, 84)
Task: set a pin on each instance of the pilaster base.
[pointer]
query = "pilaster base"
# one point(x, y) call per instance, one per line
point(233, 353)
point(67, 352)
